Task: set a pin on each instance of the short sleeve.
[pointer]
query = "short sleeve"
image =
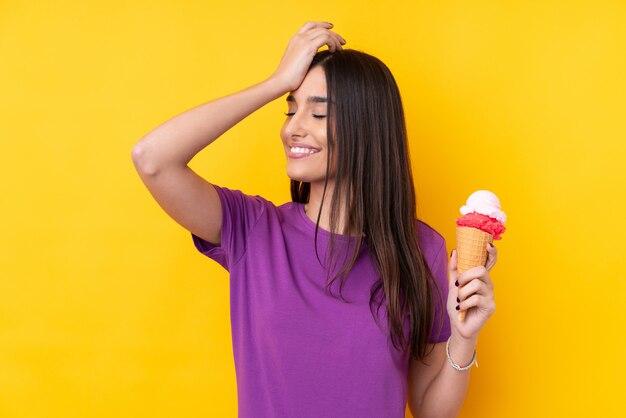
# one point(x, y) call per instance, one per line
point(240, 213)
point(439, 269)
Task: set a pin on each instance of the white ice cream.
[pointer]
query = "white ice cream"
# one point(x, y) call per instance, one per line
point(485, 203)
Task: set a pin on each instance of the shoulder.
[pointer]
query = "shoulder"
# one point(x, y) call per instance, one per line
point(240, 193)
point(430, 239)
point(240, 200)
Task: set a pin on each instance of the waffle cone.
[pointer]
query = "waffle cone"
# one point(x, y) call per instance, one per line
point(471, 250)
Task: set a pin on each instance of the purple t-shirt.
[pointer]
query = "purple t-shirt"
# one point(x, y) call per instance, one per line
point(299, 351)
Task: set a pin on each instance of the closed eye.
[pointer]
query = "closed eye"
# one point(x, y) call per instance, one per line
point(315, 116)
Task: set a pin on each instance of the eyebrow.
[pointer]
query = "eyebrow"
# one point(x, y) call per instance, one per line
point(310, 99)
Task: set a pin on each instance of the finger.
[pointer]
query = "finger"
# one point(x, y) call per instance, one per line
point(471, 274)
point(336, 40)
point(340, 41)
point(476, 286)
point(478, 301)
point(310, 25)
point(492, 256)
point(474, 300)
point(478, 272)
point(339, 37)
point(452, 269)
point(315, 33)
point(326, 39)
point(318, 31)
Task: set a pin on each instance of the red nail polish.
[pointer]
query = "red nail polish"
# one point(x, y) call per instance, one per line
point(458, 300)
point(458, 307)
point(456, 283)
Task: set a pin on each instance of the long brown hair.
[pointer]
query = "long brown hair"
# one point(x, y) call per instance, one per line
point(373, 180)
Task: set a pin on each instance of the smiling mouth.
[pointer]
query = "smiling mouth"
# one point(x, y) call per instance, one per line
point(298, 150)
point(299, 153)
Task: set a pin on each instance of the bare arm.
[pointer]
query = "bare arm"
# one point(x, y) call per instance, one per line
point(162, 155)
point(437, 390)
point(175, 142)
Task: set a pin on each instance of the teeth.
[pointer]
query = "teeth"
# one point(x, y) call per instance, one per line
point(303, 150)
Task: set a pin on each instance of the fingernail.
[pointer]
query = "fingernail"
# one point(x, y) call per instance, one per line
point(456, 283)
point(451, 252)
point(458, 307)
point(458, 300)
point(491, 245)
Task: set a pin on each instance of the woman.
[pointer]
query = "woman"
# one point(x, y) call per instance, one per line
point(313, 337)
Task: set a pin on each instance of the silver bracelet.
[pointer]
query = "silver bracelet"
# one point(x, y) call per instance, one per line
point(456, 366)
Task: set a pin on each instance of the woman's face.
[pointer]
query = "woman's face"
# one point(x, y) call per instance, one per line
point(305, 127)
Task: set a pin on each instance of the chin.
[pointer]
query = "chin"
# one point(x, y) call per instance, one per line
point(302, 176)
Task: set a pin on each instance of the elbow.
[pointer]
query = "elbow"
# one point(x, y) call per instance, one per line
point(142, 164)
point(414, 407)
point(417, 411)
point(418, 414)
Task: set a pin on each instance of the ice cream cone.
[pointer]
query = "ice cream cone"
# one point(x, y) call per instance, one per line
point(471, 250)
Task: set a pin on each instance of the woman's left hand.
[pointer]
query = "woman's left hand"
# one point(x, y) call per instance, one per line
point(475, 292)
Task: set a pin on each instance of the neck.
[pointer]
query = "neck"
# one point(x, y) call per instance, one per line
point(312, 208)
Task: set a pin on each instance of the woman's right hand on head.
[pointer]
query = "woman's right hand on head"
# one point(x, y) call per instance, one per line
point(300, 51)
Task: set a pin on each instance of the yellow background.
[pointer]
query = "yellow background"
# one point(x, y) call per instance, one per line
point(106, 308)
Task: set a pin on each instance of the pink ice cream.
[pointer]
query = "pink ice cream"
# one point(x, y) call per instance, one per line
point(482, 211)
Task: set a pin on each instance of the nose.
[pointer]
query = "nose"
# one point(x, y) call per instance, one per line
point(295, 126)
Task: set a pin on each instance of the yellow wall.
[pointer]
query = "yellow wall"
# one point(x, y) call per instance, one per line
point(106, 309)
